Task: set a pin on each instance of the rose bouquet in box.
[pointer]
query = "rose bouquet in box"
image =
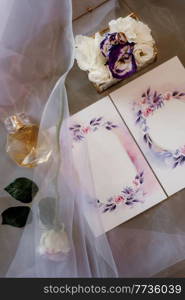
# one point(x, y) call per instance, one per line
point(115, 53)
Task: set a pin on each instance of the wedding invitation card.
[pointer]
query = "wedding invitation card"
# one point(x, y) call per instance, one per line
point(153, 107)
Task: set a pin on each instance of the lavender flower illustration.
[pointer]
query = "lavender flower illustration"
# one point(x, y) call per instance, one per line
point(129, 196)
point(79, 131)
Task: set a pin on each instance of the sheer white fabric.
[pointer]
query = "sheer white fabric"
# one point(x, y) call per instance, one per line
point(89, 256)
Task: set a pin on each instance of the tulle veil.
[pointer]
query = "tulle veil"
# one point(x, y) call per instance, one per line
point(89, 256)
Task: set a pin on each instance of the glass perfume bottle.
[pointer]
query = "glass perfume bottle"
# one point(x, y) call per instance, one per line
point(23, 145)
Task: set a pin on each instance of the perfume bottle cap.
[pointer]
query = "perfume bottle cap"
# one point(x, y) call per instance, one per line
point(15, 122)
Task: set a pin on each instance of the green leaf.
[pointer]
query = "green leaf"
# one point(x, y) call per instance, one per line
point(22, 189)
point(16, 216)
point(47, 211)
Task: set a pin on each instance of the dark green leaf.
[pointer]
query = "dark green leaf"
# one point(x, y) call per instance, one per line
point(22, 189)
point(16, 216)
point(47, 211)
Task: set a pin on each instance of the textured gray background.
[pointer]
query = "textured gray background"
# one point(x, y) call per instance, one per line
point(166, 18)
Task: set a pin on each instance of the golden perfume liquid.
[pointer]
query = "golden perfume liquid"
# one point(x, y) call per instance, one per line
point(22, 142)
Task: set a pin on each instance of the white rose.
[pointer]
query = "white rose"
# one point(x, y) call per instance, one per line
point(143, 53)
point(88, 54)
point(135, 31)
point(54, 244)
point(143, 34)
point(90, 58)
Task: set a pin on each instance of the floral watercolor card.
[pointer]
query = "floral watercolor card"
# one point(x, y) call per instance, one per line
point(123, 183)
point(153, 108)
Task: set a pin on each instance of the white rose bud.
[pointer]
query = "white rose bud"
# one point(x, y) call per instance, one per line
point(54, 244)
point(143, 54)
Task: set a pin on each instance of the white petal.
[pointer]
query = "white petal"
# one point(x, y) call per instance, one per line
point(85, 53)
point(100, 75)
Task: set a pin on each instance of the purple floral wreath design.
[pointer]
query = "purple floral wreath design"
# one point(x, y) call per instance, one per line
point(128, 196)
point(79, 131)
point(150, 102)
